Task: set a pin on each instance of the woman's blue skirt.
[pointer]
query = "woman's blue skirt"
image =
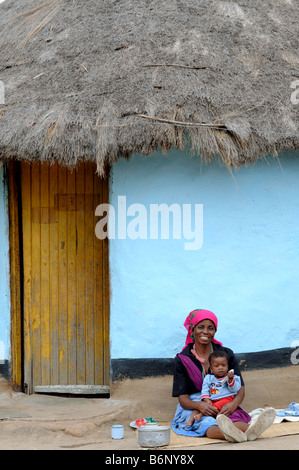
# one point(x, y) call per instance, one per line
point(198, 428)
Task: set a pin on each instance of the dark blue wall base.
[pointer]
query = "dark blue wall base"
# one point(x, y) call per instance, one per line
point(5, 369)
point(139, 368)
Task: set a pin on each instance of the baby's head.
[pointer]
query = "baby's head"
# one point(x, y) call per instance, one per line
point(219, 363)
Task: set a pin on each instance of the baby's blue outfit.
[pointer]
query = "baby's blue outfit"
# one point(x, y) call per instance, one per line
point(216, 389)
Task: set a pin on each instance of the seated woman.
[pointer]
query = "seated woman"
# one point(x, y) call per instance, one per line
point(191, 366)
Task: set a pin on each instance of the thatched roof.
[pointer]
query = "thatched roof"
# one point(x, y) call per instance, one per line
point(80, 75)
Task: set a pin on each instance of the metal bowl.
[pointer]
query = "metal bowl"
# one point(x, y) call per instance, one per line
point(154, 436)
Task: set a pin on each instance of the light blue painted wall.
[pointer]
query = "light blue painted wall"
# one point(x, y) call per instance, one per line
point(246, 271)
point(4, 271)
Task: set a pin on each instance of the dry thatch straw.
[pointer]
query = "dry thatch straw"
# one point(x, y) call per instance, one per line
point(95, 80)
point(35, 19)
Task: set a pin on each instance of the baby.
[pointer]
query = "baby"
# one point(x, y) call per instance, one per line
point(219, 387)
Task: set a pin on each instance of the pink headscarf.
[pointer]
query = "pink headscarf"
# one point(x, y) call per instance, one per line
point(195, 317)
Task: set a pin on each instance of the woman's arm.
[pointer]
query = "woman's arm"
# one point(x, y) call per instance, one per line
point(203, 407)
point(239, 397)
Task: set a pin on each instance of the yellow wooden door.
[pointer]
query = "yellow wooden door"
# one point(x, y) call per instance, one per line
point(66, 285)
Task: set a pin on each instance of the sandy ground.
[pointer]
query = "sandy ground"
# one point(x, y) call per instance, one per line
point(45, 422)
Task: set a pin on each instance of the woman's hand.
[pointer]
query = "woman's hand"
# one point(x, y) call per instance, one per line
point(228, 409)
point(203, 407)
point(206, 408)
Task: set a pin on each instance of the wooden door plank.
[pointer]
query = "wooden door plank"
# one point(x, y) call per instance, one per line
point(27, 280)
point(45, 335)
point(36, 273)
point(62, 275)
point(89, 285)
point(81, 275)
point(72, 277)
point(14, 195)
point(54, 276)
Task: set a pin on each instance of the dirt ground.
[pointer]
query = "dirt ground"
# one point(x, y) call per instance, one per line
point(45, 422)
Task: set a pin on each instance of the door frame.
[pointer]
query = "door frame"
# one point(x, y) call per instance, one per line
point(16, 288)
point(17, 276)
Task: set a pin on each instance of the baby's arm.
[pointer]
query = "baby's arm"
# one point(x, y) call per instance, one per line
point(235, 384)
point(230, 376)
